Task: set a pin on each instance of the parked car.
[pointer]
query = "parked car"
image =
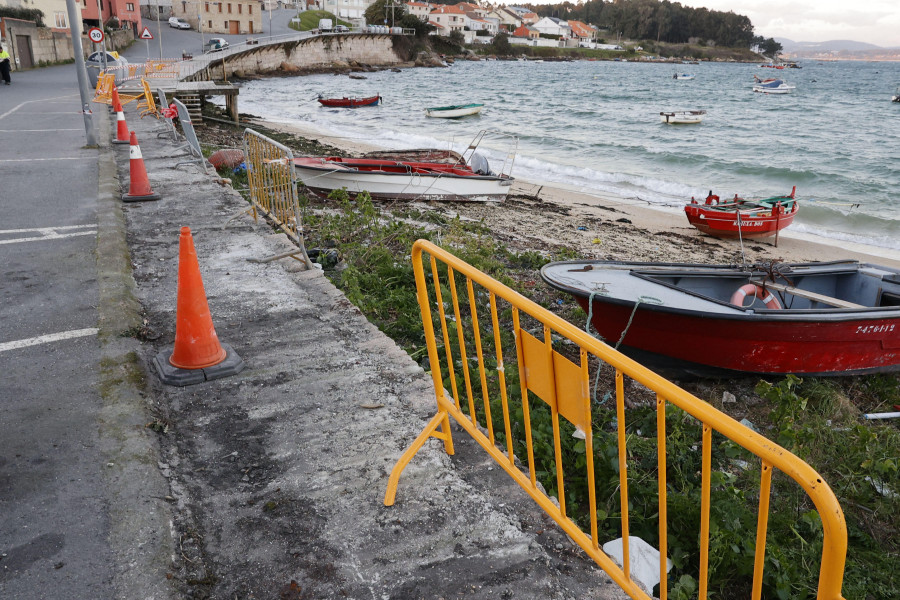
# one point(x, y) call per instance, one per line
point(341, 29)
point(94, 65)
point(216, 44)
point(178, 23)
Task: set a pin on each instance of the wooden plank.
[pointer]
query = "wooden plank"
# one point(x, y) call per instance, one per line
point(820, 298)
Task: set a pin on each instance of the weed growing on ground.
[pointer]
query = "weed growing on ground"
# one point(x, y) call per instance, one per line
point(816, 419)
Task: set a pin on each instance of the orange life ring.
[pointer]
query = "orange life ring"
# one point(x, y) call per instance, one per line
point(770, 300)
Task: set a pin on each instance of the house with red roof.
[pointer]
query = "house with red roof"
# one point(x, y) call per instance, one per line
point(582, 31)
point(448, 19)
point(523, 31)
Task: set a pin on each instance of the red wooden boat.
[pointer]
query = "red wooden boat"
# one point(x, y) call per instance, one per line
point(349, 102)
point(834, 318)
point(742, 218)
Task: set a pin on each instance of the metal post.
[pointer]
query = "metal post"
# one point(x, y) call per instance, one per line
point(81, 72)
point(103, 43)
point(158, 31)
point(269, 2)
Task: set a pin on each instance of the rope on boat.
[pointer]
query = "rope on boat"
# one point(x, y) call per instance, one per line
point(587, 329)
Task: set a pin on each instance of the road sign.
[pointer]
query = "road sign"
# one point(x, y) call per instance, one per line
point(96, 34)
point(146, 35)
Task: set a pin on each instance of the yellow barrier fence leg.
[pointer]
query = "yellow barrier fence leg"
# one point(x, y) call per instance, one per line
point(439, 420)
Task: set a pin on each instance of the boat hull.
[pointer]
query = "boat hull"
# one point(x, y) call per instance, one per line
point(724, 224)
point(349, 102)
point(689, 333)
point(682, 117)
point(710, 346)
point(322, 179)
point(454, 112)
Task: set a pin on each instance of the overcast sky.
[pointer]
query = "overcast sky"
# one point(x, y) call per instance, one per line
point(873, 21)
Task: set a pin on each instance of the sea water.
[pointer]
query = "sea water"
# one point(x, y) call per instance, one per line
point(594, 126)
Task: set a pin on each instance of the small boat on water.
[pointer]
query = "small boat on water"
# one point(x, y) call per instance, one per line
point(742, 218)
point(349, 102)
point(832, 318)
point(682, 117)
point(773, 66)
point(411, 175)
point(454, 111)
point(683, 76)
point(774, 86)
point(896, 97)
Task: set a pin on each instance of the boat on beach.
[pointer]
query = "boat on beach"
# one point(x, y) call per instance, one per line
point(682, 117)
point(411, 175)
point(349, 102)
point(773, 86)
point(454, 111)
point(830, 318)
point(742, 218)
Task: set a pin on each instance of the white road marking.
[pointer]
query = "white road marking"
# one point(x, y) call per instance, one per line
point(36, 130)
point(47, 233)
point(45, 159)
point(49, 338)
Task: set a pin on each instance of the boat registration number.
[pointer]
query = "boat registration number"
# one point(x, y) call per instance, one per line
point(874, 328)
point(748, 224)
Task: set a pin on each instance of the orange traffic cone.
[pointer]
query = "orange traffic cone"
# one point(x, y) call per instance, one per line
point(140, 185)
point(196, 343)
point(197, 356)
point(121, 126)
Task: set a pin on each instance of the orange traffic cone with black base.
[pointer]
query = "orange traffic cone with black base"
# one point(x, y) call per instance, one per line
point(198, 355)
point(121, 125)
point(139, 188)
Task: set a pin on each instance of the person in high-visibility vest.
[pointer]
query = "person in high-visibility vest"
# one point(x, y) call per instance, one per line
point(4, 65)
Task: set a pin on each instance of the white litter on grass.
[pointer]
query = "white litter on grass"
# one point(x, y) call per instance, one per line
point(644, 560)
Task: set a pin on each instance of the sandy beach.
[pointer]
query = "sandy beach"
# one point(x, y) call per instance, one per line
point(539, 216)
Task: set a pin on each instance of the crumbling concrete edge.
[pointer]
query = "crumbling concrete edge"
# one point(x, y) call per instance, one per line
point(140, 518)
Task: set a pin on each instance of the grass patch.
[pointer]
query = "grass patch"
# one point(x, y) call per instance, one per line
point(816, 419)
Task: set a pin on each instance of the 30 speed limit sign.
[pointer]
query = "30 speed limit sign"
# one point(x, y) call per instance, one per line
point(96, 34)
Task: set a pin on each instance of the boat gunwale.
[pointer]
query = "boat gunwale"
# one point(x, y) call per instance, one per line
point(742, 313)
point(344, 168)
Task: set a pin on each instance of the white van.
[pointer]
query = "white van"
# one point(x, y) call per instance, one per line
point(325, 25)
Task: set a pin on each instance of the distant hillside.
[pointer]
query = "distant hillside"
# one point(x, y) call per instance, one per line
point(829, 46)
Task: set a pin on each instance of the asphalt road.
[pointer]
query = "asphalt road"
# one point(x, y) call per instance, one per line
point(74, 475)
point(51, 498)
point(169, 42)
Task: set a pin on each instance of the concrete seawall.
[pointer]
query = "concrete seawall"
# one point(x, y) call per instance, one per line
point(311, 53)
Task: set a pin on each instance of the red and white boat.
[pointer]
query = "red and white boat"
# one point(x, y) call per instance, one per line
point(834, 318)
point(410, 175)
point(349, 102)
point(742, 218)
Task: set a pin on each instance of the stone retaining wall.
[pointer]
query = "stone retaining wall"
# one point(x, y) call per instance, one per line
point(317, 52)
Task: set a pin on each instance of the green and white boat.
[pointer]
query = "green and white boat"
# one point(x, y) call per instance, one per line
point(453, 112)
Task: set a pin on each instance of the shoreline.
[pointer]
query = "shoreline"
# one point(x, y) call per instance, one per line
point(577, 214)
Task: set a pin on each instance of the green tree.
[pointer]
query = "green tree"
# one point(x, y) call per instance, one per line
point(385, 12)
point(457, 37)
point(501, 44)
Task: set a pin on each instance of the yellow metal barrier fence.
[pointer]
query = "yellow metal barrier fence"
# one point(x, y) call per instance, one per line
point(564, 386)
point(273, 185)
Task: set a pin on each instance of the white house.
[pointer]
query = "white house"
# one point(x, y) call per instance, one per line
point(421, 10)
point(449, 19)
point(553, 26)
point(346, 9)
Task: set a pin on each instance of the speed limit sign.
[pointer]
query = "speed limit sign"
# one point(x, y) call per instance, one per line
point(96, 34)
